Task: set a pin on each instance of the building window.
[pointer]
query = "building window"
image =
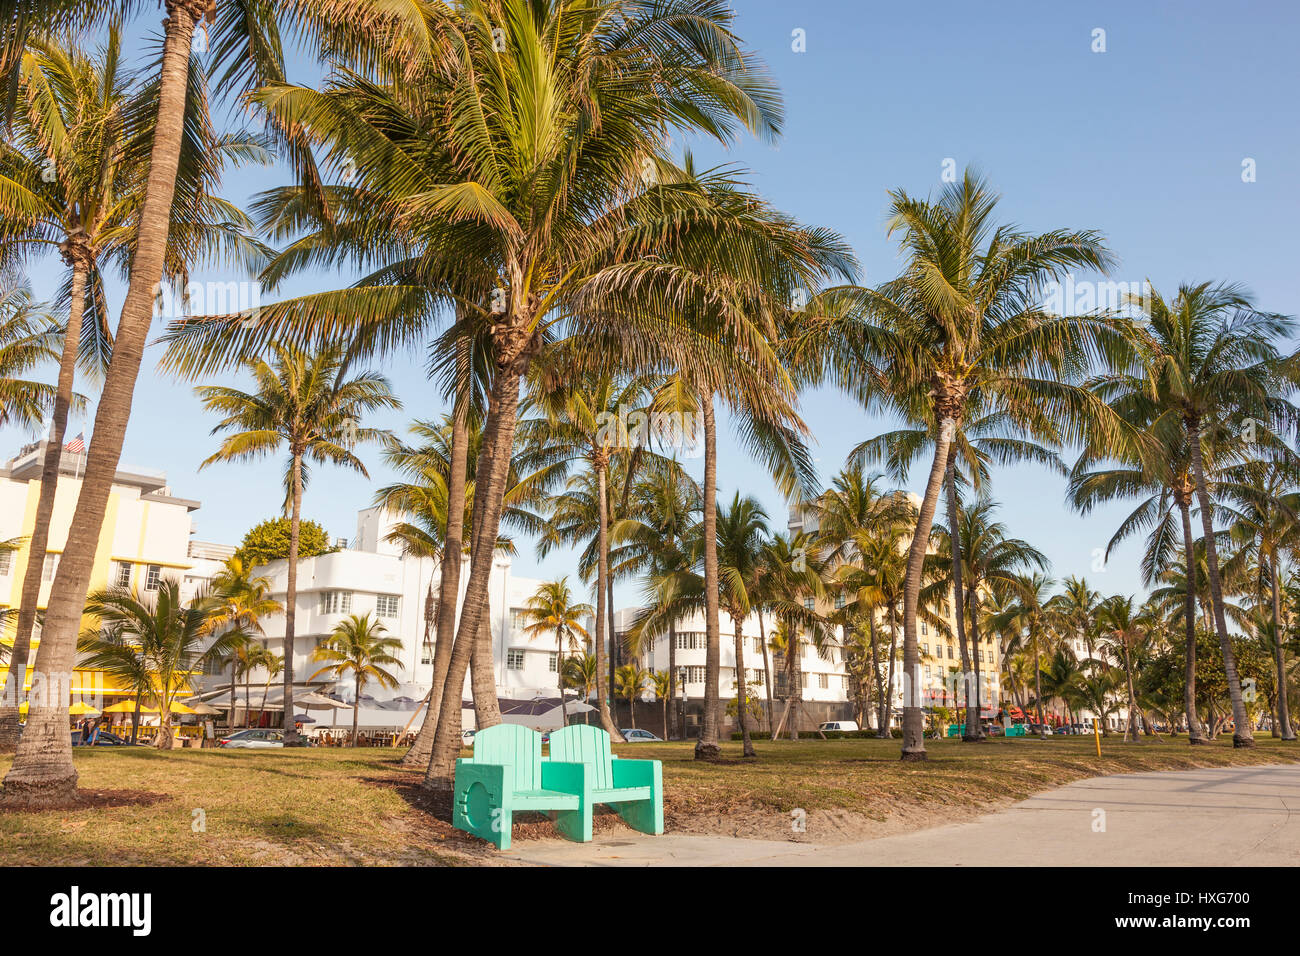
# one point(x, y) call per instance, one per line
point(50, 567)
point(386, 605)
point(518, 619)
point(515, 659)
point(810, 604)
point(925, 648)
point(6, 560)
point(695, 675)
point(691, 641)
point(336, 602)
point(949, 652)
point(927, 671)
point(122, 574)
point(823, 681)
point(924, 628)
point(153, 577)
point(803, 679)
point(426, 655)
point(553, 662)
point(759, 679)
point(839, 601)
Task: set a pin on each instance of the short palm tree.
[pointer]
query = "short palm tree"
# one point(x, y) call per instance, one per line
point(311, 406)
point(631, 680)
point(243, 602)
point(662, 683)
point(551, 609)
point(960, 336)
point(579, 673)
point(1121, 634)
point(154, 641)
point(357, 648)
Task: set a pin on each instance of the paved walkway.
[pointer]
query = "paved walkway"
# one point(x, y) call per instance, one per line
point(1244, 816)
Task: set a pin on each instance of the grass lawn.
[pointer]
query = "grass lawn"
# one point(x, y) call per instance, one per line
point(330, 807)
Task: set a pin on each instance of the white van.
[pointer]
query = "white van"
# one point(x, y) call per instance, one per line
point(838, 725)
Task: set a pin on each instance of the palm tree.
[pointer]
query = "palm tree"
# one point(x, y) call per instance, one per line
point(662, 683)
point(25, 343)
point(154, 642)
point(357, 647)
point(1266, 512)
point(1210, 363)
point(579, 673)
point(243, 600)
point(551, 610)
point(273, 665)
point(991, 562)
point(960, 336)
point(1029, 617)
point(444, 450)
point(631, 680)
point(1118, 625)
point(312, 406)
point(602, 83)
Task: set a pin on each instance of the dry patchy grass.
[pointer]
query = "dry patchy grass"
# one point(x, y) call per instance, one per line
point(341, 807)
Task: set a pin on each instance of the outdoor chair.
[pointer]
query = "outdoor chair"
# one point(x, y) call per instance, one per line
point(507, 774)
point(634, 788)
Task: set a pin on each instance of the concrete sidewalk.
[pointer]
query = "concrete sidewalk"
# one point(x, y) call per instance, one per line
point(1226, 817)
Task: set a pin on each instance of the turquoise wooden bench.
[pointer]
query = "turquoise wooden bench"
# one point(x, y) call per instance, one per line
point(633, 787)
point(507, 774)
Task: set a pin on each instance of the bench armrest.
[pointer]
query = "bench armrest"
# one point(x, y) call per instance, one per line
point(498, 778)
point(637, 773)
point(565, 777)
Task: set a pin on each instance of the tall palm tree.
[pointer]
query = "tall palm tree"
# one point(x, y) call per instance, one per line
point(960, 336)
point(357, 648)
point(1266, 507)
point(1210, 360)
point(157, 637)
point(551, 609)
point(1029, 618)
point(243, 601)
point(1118, 625)
point(310, 406)
point(550, 217)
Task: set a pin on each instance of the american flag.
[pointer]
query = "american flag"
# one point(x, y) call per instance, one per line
point(77, 446)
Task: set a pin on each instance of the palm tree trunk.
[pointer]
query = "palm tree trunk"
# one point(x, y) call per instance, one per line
point(913, 715)
point(42, 771)
point(767, 673)
point(706, 747)
point(893, 656)
point(958, 593)
point(291, 599)
point(135, 721)
point(77, 254)
point(973, 605)
point(672, 682)
point(1283, 708)
point(449, 568)
point(492, 474)
point(602, 575)
point(230, 717)
point(742, 694)
point(559, 671)
point(1131, 730)
point(1038, 690)
point(483, 678)
point(796, 684)
point(356, 706)
point(876, 676)
point(1241, 735)
point(1194, 733)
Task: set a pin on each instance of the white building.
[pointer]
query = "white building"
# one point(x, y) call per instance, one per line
point(370, 575)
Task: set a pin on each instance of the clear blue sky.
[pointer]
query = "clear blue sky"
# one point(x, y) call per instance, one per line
point(1144, 142)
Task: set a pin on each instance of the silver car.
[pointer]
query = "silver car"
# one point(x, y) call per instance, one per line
point(640, 736)
point(253, 739)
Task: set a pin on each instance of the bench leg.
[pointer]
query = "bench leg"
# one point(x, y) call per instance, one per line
point(645, 816)
point(575, 825)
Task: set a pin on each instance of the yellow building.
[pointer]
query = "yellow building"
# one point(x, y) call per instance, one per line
point(145, 537)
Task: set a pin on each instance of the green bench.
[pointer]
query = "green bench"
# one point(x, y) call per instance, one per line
point(507, 774)
point(634, 788)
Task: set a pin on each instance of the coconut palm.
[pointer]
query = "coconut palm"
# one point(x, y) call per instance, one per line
point(661, 682)
point(357, 648)
point(1212, 367)
point(243, 601)
point(551, 609)
point(1029, 619)
point(26, 342)
point(630, 683)
point(430, 465)
point(155, 641)
point(1265, 508)
point(1120, 632)
point(991, 562)
point(960, 336)
point(311, 406)
point(578, 672)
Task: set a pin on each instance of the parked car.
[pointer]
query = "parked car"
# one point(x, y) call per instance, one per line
point(1038, 730)
point(640, 736)
point(103, 739)
point(253, 739)
point(467, 738)
point(1082, 729)
point(1067, 730)
point(846, 725)
point(993, 730)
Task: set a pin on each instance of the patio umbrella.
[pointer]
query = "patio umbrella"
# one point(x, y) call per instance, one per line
point(82, 709)
point(128, 707)
point(304, 719)
point(202, 707)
